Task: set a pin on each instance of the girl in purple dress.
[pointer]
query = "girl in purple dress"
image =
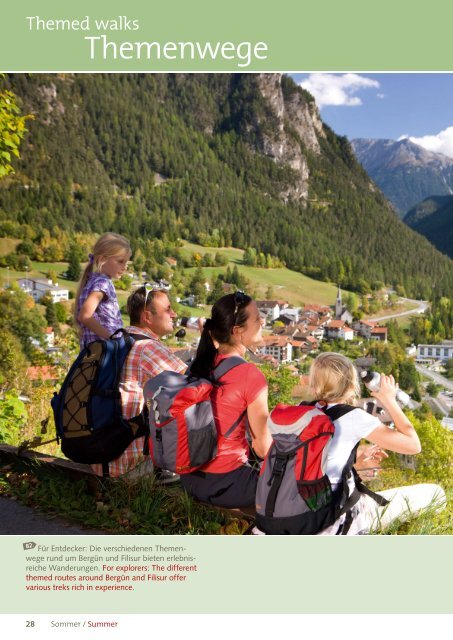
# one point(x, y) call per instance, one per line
point(97, 311)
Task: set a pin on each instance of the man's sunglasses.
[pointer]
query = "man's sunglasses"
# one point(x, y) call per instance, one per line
point(149, 288)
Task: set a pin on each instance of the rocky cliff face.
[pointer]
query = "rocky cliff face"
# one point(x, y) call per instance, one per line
point(293, 114)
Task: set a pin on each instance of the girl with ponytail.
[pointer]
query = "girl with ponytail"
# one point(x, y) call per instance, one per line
point(238, 398)
point(96, 309)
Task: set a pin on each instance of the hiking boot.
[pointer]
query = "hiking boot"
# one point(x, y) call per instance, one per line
point(164, 476)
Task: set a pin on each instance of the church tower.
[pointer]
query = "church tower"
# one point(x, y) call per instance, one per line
point(338, 305)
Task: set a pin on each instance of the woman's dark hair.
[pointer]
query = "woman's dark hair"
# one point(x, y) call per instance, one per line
point(228, 312)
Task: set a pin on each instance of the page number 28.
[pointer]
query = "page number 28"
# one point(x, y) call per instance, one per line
point(29, 623)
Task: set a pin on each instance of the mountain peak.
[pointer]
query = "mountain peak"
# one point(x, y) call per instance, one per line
point(406, 172)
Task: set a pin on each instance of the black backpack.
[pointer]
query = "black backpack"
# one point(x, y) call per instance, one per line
point(87, 409)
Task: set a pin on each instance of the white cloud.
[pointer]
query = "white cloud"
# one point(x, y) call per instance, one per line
point(439, 143)
point(329, 89)
point(381, 96)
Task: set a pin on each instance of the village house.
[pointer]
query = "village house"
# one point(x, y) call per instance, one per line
point(284, 319)
point(279, 347)
point(379, 333)
point(338, 330)
point(40, 287)
point(301, 332)
point(163, 285)
point(290, 315)
point(303, 346)
point(271, 309)
point(364, 328)
point(290, 331)
point(49, 337)
point(319, 309)
point(190, 301)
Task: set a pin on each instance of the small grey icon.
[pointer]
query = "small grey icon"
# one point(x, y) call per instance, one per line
point(29, 545)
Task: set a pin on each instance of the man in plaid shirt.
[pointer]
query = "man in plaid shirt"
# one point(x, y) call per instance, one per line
point(150, 315)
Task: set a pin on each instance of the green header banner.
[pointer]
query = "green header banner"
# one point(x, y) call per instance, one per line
point(234, 36)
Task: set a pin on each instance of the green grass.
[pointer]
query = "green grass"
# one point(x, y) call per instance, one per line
point(233, 255)
point(288, 285)
point(114, 506)
point(126, 508)
point(431, 521)
point(7, 245)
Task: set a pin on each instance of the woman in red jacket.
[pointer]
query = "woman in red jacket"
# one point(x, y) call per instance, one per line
point(240, 396)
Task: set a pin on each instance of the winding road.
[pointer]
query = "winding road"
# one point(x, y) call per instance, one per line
point(421, 307)
point(438, 379)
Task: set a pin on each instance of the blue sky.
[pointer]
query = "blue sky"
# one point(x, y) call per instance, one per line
point(386, 105)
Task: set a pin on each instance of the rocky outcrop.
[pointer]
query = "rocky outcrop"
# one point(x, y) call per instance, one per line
point(53, 106)
point(297, 121)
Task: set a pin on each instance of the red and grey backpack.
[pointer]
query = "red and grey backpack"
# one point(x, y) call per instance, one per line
point(294, 495)
point(183, 433)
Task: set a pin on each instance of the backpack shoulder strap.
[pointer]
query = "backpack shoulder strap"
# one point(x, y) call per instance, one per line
point(338, 410)
point(140, 336)
point(226, 365)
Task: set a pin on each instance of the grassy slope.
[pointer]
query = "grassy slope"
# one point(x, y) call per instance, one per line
point(288, 285)
point(7, 245)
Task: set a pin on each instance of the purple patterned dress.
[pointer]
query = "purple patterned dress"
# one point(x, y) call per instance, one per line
point(108, 311)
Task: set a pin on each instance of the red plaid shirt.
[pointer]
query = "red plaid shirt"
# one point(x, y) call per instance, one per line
point(146, 359)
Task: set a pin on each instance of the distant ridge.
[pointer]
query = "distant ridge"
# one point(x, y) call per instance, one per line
point(404, 171)
point(433, 218)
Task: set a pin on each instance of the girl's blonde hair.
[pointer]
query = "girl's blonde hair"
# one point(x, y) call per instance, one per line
point(109, 245)
point(334, 378)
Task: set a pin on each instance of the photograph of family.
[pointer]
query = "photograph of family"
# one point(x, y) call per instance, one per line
point(226, 304)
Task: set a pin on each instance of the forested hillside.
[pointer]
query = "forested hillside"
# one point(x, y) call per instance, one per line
point(433, 218)
point(240, 160)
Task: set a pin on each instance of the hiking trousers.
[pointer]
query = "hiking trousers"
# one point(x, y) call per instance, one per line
point(404, 503)
point(233, 489)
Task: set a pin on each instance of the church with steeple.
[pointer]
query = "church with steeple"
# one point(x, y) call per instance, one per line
point(341, 312)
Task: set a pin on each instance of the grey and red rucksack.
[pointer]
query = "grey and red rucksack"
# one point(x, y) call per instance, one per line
point(294, 495)
point(183, 433)
point(87, 409)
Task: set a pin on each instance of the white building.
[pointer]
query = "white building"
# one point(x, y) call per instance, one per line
point(49, 337)
point(337, 329)
point(38, 288)
point(293, 313)
point(270, 308)
point(431, 352)
point(278, 347)
point(364, 328)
